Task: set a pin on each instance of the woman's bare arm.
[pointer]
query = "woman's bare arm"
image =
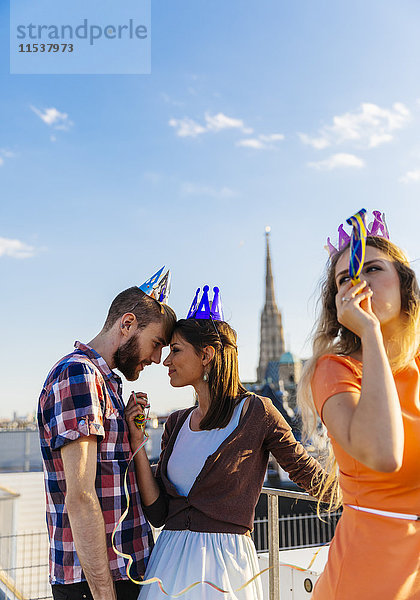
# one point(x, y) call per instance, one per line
point(368, 427)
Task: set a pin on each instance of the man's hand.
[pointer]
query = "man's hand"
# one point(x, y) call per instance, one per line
point(85, 515)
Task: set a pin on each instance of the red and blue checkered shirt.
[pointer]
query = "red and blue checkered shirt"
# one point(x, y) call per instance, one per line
point(82, 396)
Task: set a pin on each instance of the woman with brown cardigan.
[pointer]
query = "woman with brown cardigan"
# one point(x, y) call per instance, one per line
point(212, 466)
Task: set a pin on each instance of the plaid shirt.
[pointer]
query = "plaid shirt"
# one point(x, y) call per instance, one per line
point(82, 397)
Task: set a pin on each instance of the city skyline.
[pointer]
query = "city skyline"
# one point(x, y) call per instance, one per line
point(292, 116)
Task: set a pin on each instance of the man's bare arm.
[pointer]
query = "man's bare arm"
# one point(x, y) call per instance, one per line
point(85, 515)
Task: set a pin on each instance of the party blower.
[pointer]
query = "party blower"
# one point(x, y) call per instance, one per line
point(357, 245)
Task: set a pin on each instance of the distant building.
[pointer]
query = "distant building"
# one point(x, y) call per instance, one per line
point(19, 422)
point(272, 338)
point(278, 371)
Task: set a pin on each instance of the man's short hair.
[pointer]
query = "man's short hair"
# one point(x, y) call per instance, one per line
point(146, 309)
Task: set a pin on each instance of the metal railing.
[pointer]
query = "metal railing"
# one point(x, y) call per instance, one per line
point(273, 535)
point(24, 557)
point(297, 530)
point(24, 566)
point(315, 534)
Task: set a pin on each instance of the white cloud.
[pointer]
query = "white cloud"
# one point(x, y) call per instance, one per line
point(317, 143)
point(272, 137)
point(261, 142)
point(367, 127)
point(54, 118)
point(380, 138)
point(337, 161)
point(5, 154)
point(221, 121)
point(194, 189)
point(15, 248)
point(251, 143)
point(187, 127)
point(410, 176)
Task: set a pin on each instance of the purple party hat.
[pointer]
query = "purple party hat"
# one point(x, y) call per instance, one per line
point(158, 287)
point(377, 228)
point(206, 309)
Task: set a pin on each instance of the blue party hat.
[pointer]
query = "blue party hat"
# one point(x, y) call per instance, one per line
point(205, 309)
point(194, 305)
point(216, 306)
point(158, 287)
point(164, 287)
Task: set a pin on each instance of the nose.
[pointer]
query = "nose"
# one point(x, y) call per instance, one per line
point(167, 361)
point(156, 356)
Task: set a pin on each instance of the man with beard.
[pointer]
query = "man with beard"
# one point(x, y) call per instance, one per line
point(85, 450)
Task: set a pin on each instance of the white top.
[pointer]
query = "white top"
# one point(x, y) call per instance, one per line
point(192, 448)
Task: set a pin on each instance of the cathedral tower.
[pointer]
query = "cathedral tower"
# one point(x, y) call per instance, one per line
point(272, 339)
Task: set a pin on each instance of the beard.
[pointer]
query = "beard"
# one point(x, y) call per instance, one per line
point(126, 358)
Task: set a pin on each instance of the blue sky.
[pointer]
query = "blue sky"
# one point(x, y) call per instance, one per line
point(293, 115)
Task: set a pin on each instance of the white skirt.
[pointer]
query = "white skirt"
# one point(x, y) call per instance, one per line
point(181, 558)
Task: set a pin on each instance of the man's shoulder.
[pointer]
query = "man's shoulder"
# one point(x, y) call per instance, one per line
point(74, 364)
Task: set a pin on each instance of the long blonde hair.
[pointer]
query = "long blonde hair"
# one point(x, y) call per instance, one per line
point(330, 337)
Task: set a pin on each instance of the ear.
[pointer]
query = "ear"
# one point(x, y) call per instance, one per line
point(208, 355)
point(127, 323)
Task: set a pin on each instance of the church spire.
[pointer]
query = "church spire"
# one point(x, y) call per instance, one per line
point(269, 284)
point(272, 338)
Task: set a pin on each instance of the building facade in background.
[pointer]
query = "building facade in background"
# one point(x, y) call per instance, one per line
point(278, 371)
point(271, 333)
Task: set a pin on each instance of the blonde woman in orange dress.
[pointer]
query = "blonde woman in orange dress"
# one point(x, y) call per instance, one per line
point(363, 381)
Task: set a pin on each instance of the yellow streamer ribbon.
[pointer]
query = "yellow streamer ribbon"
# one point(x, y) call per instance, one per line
point(316, 554)
point(308, 568)
point(193, 585)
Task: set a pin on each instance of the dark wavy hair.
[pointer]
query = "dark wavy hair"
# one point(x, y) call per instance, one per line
point(225, 387)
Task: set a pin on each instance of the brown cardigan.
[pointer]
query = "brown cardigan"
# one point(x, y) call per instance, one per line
point(225, 493)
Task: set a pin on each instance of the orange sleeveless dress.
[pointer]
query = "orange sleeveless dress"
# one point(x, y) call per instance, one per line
point(373, 557)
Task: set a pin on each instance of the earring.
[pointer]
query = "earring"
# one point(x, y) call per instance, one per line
point(205, 377)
